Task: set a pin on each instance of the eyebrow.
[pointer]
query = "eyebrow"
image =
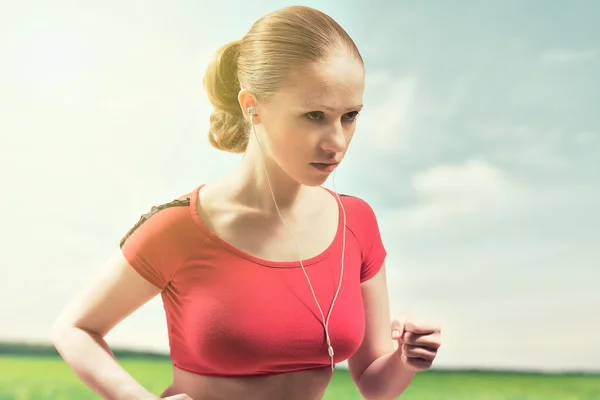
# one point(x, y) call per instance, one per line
point(321, 106)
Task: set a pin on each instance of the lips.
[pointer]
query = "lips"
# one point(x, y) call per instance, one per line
point(326, 166)
point(327, 162)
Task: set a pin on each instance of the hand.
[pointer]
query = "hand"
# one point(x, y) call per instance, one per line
point(181, 396)
point(418, 342)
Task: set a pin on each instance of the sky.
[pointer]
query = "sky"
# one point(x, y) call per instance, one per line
point(477, 148)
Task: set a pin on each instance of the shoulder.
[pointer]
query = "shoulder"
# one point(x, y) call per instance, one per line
point(362, 223)
point(167, 229)
point(161, 220)
point(161, 241)
point(356, 208)
point(354, 201)
point(361, 219)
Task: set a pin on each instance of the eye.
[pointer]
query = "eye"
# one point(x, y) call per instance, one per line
point(314, 115)
point(351, 116)
point(319, 116)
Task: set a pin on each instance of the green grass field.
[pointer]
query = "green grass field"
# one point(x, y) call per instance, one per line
point(47, 377)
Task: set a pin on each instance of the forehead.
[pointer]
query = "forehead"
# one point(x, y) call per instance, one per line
point(337, 82)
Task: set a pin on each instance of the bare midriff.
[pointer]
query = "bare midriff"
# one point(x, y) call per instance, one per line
point(301, 385)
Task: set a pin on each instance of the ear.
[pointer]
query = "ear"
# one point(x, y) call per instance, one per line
point(247, 99)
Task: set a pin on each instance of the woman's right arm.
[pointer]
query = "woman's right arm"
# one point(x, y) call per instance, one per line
point(79, 331)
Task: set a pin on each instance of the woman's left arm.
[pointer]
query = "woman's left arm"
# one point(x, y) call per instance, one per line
point(392, 352)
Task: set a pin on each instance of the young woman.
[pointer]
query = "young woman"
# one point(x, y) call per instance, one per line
point(267, 278)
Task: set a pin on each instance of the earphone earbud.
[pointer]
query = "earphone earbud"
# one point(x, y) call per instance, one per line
point(251, 115)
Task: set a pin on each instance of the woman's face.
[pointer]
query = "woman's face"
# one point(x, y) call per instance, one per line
point(310, 122)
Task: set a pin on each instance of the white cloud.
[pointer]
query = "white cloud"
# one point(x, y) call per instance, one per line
point(531, 146)
point(443, 103)
point(448, 192)
point(399, 108)
point(388, 118)
point(376, 78)
point(567, 56)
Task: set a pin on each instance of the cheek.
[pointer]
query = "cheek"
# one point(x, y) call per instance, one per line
point(286, 140)
point(349, 134)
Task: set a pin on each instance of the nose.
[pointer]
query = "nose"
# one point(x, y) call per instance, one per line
point(334, 139)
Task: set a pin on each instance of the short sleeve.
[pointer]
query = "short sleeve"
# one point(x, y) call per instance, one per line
point(158, 244)
point(373, 250)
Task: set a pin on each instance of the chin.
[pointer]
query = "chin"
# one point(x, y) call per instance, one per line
point(313, 181)
point(310, 177)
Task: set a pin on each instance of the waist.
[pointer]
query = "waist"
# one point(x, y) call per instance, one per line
point(301, 385)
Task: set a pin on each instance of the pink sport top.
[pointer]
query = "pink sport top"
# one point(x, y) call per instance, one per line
point(229, 313)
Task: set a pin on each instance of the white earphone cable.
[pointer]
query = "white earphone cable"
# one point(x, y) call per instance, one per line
point(325, 321)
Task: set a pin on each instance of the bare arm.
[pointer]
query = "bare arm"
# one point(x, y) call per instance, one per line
point(79, 331)
point(376, 368)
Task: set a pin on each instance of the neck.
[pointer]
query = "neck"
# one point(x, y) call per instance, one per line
point(248, 184)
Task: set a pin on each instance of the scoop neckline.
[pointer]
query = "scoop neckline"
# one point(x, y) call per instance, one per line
point(257, 260)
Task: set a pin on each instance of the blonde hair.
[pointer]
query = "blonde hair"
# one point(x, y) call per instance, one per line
point(261, 61)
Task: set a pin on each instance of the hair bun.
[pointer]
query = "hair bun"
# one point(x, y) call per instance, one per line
point(228, 132)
